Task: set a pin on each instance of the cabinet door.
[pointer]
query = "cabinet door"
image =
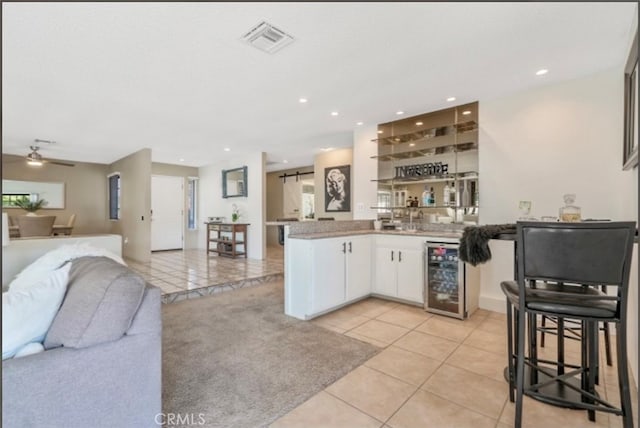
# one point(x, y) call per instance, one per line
point(385, 280)
point(328, 273)
point(358, 267)
point(410, 275)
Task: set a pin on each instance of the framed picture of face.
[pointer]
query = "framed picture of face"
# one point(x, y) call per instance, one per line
point(337, 195)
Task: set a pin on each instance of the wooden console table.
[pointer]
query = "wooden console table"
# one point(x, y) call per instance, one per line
point(226, 238)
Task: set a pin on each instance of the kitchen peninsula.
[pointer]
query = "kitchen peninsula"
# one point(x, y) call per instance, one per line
point(329, 265)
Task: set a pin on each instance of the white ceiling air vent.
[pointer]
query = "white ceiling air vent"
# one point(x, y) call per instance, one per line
point(267, 38)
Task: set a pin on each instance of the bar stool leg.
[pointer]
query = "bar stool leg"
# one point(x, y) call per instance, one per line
point(592, 367)
point(510, 351)
point(520, 369)
point(623, 375)
point(607, 343)
point(560, 339)
point(533, 346)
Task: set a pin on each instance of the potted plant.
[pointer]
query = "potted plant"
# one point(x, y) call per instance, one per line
point(30, 206)
point(235, 213)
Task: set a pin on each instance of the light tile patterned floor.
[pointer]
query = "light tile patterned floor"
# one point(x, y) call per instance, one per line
point(194, 273)
point(434, 371)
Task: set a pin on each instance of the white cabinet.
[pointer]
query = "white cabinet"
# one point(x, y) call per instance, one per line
point(322, 274)
point(358, 267)
point(328, 274)
point(399, 268)
point(410, 275)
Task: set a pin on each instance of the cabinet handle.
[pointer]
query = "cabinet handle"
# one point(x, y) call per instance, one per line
point(350, 247)
point(399, 256)
point(392, 255)
point(344, 247)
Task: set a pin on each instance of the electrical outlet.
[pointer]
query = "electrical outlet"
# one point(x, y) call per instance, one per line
point(360, 206)
point(126, 240)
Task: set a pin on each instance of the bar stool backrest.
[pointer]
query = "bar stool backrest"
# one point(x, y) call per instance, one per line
point(576, 253)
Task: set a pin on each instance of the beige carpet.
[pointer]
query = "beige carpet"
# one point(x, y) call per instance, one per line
point(235, 359)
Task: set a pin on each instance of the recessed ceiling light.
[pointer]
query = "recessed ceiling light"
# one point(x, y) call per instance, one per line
point(412, 144)
point(360, 123)
point(334, 113)
point(380, 132)
point(399, 112)
point(181, 159)
point(418, 123)
point(326, 149)
point(303, 100)
point(451, 99)
point(542, 72)
point(285, 161)
point(466, 112)
point(227, 149)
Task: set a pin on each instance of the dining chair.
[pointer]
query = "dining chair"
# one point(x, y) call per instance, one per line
point(560, 268)
point(65, 229)
point(41, 225)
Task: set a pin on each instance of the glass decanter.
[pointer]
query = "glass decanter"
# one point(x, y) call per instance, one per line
point(570, 212)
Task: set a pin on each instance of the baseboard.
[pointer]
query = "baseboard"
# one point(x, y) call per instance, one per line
point(495, 304)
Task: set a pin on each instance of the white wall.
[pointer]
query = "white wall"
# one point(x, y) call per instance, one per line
point(539, 144)
point(252, 208)
point(135, 205)
point(365, 169)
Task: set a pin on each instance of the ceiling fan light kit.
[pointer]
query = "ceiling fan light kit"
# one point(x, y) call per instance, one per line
point(35, 159)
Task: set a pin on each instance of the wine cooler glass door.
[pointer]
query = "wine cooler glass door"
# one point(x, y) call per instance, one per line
point(444, 288)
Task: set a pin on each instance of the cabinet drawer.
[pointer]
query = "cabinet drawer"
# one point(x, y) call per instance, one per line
point(220, 227)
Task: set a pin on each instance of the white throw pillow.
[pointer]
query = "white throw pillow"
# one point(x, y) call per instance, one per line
point(27, 313)
point(47, 263)
point(29, 349)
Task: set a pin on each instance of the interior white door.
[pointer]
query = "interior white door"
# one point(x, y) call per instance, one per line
point(167, 213)
point(292, 198)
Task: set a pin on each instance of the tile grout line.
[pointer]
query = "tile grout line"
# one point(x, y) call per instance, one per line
point(349, 404)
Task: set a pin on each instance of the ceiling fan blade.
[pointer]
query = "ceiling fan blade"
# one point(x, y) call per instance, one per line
point(59, 163)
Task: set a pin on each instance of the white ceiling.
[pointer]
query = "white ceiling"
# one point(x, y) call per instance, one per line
point(106, 79)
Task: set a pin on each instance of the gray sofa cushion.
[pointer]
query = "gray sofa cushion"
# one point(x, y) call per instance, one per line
point(102, 299)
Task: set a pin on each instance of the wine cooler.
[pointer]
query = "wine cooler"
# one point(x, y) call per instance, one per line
point(451, 286)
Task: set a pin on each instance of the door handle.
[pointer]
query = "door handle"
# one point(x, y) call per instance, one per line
point(399, 256)
point(344, 247)
point(350, 247)
point(391, 255)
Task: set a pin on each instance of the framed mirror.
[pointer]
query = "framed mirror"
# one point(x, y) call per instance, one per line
point(234, 182)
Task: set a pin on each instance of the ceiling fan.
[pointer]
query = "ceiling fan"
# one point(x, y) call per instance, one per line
point(35, 159)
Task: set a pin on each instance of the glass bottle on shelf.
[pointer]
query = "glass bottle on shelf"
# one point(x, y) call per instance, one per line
point(425, 197)
point(570, 212)
point(432, 198)
point(446, 195)
point(465, 200)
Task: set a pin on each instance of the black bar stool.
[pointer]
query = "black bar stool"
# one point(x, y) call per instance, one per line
point(560, 267)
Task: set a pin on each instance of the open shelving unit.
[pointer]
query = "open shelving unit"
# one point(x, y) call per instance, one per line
point(426, 152)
